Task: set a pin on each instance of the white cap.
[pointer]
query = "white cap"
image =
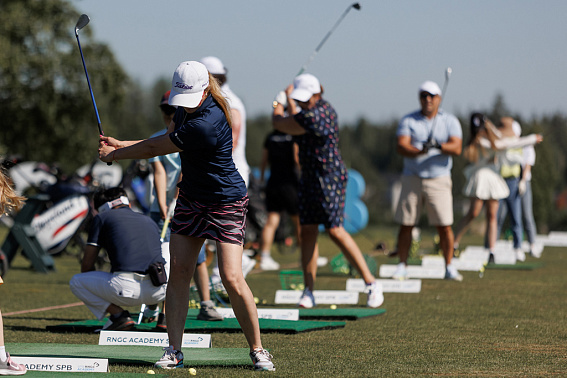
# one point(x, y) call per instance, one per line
point(305, 86)
point(214, 65)
point(190, 80)
point(430, 87)
point(517, 128)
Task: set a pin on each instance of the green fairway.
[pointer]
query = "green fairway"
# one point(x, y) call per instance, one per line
point(510, 322)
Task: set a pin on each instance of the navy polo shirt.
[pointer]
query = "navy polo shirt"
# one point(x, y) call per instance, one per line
point(209, 173)
point(131, 239)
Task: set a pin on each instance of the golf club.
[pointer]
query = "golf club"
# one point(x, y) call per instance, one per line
point(81, 23)
point(431, 143)
point(355, 6)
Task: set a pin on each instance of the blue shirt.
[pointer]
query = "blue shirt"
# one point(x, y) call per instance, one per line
point(209, 173)
point(131, 239)
point(172, 165)
point(418, 127)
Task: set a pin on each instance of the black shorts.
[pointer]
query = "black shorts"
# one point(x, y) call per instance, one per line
point(282, 198)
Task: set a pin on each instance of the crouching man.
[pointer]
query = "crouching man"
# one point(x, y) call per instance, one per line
point(137, 273)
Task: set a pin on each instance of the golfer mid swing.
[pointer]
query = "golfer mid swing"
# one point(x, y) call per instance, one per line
point(211, 204)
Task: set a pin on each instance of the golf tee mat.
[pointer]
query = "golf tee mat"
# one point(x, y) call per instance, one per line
point(226, 325)
point(132, 355)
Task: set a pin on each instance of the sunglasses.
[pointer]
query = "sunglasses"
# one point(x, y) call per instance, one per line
point(424, 95)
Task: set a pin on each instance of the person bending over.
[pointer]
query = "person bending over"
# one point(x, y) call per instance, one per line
point(132, 241)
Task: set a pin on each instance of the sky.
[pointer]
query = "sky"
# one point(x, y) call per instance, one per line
point(372, 64)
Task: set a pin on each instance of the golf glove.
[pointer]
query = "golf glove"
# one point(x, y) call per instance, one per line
point(281, 98)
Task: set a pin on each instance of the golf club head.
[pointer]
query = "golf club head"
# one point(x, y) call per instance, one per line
point(356, 6)
point(448, 73)
point(81, 23)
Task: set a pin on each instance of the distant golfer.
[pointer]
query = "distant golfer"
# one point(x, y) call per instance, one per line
point(322, 188)
point(426, 177)
point(211, 204)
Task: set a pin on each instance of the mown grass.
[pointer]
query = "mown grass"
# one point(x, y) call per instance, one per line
point(507, 323)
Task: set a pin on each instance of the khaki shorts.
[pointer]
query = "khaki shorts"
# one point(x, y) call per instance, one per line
point(435, 193)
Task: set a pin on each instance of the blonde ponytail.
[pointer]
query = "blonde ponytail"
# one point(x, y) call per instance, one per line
point(215, 91)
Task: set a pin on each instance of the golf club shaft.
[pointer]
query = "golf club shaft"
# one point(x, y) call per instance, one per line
point(302, 70)
point(90, 89)
point(448, 72)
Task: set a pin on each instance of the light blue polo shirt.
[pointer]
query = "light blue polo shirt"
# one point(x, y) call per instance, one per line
point(418, 127)
point(172, 165)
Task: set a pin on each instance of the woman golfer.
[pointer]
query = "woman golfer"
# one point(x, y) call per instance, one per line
point(323, 181)
point(211, 204)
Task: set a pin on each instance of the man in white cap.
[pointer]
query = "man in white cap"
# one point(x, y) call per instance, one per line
point(238, 113)
point(427, 139)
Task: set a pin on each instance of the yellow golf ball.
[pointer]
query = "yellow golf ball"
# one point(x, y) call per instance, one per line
point(151, 372)
point(333, 307)
point(192, 371)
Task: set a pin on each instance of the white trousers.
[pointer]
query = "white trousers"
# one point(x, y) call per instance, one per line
point(99, 289)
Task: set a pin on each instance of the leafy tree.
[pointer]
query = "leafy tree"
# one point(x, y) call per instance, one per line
point(45, 105)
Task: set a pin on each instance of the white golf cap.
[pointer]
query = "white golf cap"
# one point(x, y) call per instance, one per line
point(305, 86)
point(190, 80)
point(214, 65)
point(430, 87)
point(517, 128)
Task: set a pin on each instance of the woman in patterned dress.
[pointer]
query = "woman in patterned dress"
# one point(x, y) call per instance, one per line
point(314, 124)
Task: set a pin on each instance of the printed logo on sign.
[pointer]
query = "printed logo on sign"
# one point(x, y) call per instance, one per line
point(182, 85)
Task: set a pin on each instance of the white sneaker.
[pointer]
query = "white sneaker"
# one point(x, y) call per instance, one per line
point(375, 294)
point(520, 255)
point(9, 367)
point(536, 250)
point(248, 264)
point(307, 299)
point(171, 359)
point(401, 272)
point(451, 273)
point(268, 263)
point(262, 360)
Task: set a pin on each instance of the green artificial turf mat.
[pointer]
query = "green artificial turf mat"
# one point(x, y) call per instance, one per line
point(518, 266)
point(339, 313)
point(226, 325)
point(128, 354)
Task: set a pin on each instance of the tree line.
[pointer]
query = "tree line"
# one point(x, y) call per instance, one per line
point(47, 114)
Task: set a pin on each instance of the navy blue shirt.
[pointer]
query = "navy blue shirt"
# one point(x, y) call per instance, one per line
point(131, 239)
point(209, 173)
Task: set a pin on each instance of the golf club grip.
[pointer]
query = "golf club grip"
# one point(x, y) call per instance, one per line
point(100, 132)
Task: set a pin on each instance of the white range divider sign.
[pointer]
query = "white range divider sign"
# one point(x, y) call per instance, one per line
point(321, 296)
point(464, 262)
point(414, 271)
point(553, 239)
point(265, 313)
point(155, 339)
point(64, 364)
point(388, 286)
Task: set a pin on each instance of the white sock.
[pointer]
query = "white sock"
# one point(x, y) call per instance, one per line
point(266, 253)
point(3, 356)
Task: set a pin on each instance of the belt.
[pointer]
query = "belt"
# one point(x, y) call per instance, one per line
point(133, 276)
